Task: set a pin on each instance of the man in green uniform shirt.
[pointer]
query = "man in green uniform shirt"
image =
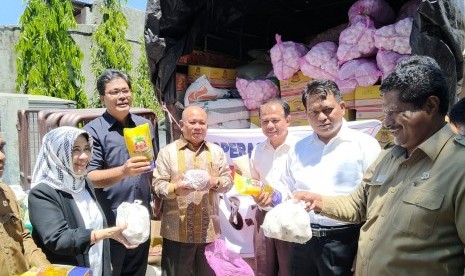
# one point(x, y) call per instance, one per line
point(412, 198)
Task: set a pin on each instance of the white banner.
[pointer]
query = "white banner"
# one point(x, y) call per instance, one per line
point(237, 212)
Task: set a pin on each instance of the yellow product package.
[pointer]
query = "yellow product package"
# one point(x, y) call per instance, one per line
point(249, 186)
point(58, 270)
point(139, 142)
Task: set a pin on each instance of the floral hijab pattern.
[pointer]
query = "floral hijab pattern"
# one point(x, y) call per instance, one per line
point(54, 164)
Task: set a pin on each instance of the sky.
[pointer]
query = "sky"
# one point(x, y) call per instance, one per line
point(12, 9)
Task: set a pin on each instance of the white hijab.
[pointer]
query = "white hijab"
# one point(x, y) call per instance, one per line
point(54, 164)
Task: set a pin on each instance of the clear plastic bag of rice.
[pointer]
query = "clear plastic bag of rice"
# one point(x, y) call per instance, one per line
point(277, 224)
point(197, 179)
point(136, 217)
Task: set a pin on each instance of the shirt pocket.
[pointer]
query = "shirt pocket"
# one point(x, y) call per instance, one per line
point(418, 212)
point(14, 227)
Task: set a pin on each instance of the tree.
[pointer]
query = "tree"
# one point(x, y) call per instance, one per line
point(110, 49)
point(142, 87)
point(48, 60)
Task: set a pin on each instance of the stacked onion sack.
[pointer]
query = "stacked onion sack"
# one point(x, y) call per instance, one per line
point(256, 82)
point(367, 50)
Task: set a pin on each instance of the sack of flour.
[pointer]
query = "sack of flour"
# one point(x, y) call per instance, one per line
point(277, 224)
point(137, 219)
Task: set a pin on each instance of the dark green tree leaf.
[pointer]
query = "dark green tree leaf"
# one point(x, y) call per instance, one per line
point(48, 59)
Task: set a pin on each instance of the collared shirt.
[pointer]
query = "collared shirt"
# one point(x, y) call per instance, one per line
point(18, 252)
point(109, 151)
point(193, 218)
point(268, 164)
point(330, 169)
point(414, 209)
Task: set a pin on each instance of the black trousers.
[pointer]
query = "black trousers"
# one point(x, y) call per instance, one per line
point(129, 262)
point(184, 259)
point(331, 255)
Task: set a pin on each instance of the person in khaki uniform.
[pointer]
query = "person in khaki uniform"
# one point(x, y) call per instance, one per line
point(412, 198)
point(18, 252)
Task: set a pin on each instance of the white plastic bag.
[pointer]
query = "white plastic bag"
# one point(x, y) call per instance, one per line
point(277, 224)
point(197, 179)
point(137, 219)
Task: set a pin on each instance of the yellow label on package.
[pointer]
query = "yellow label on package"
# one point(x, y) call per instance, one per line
point(139, 142)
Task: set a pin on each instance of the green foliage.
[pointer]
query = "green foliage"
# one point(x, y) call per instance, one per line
point(110, 49)
point(48, 60)
point(144, 95)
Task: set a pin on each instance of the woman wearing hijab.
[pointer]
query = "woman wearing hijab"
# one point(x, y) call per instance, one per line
point(67, 220)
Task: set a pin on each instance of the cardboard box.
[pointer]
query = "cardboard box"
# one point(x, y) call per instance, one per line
point(369, 103)
point(181, 82)
point(294, 85)
point(254, 118)
point(368, 97)
point(369, 92)
point(367, 114)
point(349, 114)
point(349, 99)
point(218, 77)
point(156, 241)
point(298, 119)
point(295, 102)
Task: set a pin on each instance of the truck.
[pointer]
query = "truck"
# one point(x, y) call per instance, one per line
point(217, 29)
point(175, 28)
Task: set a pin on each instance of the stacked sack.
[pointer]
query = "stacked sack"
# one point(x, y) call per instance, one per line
point(368, 48)
point(356, 57)
point(256, 81)
point(224, 107)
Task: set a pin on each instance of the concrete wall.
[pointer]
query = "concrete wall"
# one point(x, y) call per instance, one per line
point(9, 36)
point(8, 111)
point(8, 39)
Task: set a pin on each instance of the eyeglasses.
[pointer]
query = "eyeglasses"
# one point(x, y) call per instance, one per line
point(116, 92)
